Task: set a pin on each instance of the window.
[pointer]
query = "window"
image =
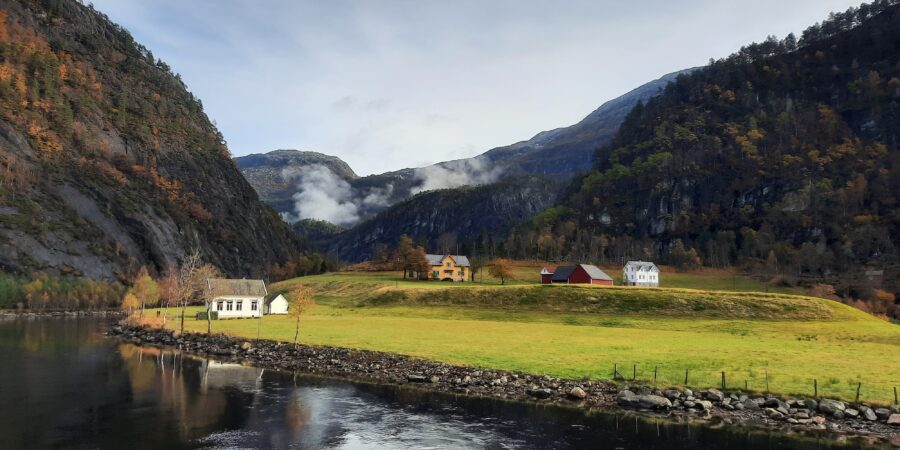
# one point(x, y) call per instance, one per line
point(253, 305)
point(219, 305)
point(448, 263)
point(434, 273)
point(240, 305)
point(229, 305)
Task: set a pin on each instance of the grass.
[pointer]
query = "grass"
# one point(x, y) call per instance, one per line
point(578, 332)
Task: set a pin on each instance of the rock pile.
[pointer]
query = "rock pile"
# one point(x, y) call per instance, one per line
point(825, 414)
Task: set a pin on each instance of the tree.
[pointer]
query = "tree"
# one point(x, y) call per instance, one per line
point(145, 289)
point(191, 281)
point(475, 266)
point(130, 302)
point(418, 263)
point(301, 302)
point(502, 269)
point(169, 292)
point(403, 253)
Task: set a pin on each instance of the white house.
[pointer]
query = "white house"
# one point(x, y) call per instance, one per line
point(276, 304)
point(640, 273)
point(235, 298)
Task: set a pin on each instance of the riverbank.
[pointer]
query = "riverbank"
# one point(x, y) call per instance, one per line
point(28, 314)
point(880, 425)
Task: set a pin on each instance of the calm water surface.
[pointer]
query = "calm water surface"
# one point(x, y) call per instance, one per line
point(64, 385)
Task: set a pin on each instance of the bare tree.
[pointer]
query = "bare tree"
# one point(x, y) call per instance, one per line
point(302, 301)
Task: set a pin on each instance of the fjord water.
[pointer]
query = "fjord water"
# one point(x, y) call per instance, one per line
point(63, 384)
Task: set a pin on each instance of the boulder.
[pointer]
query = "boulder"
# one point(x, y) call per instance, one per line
point(828, 406)
point(435, 379)
point(883, 413)
point(416, 378)
point(773, 414)
point(868, 413)
point(645, 401)
point(750, 404)
point(577, 393)
point(715, 395)
point(246, 346)
point(541, 393)
point(671, 394)
point(852, 413)
point(811, 404)
point(894, 420)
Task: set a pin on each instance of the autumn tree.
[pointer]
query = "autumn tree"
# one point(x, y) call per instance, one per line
point(476, 264)
point(502, 269)
point(130, 302)
point(418, 263)
point(145, 289)
point(301, 302)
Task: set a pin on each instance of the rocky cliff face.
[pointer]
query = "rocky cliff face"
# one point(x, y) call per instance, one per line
point(108, 163)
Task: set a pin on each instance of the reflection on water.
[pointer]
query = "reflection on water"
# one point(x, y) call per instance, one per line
point(64, 385)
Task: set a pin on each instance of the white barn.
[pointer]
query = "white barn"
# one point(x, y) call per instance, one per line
point(235, 298)
point(276, 304)
point(640, 273)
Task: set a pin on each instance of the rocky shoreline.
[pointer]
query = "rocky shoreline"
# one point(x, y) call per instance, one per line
point(871, 423)
point(27, 314)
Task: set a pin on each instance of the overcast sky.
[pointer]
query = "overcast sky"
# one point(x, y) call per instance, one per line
point(391, 84)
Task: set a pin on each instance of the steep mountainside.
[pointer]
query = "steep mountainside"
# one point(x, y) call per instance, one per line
point(561, 153)
point(108, 163)
point(784, 154)
point(468, 216)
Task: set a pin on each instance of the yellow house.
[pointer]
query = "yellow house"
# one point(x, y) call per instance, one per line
point(448, 267)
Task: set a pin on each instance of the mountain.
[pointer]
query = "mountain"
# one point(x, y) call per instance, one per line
point(273, 174)
point(560, 153)
point(107, 162)
point(783, 156)
point(468, 216)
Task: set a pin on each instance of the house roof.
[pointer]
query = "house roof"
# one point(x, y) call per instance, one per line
point(271, 297)
point(562, 273)
point(435, 260)
point(595, 273)
point(645, 265)
point(218, 287)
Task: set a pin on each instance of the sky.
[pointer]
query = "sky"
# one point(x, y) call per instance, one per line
point(391, 84)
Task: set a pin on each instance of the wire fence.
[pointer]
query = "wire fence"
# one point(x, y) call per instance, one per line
point(756, 381)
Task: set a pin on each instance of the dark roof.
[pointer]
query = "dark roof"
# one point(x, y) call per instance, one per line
point(562, 273)
point(648, 266)
point(595, 273)
point(435, 260)
point(216, 287)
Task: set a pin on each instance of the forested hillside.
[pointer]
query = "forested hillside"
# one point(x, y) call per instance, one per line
point(108, 163)
point(782, 157)
point(458, 219)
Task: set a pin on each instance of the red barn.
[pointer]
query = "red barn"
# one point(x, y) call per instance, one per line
point(580, 274)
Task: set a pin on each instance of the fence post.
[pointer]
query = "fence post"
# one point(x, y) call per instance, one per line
point(686, 377)
point(767, 381)
point(815, 388)
point(895, 396)
point(656, 369)
point(858, 387)
point(634, 372)
point(615, 371)
point(723, 380)
point(746, 386)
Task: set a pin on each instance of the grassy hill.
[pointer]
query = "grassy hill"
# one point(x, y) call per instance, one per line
point(577, 332)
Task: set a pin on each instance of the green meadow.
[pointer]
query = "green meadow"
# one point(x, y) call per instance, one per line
point(584, 332)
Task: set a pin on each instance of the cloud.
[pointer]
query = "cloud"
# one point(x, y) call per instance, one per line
point(473, 171)
point(322, 195)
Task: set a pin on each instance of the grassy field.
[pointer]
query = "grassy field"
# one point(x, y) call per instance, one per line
point(580, 332)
